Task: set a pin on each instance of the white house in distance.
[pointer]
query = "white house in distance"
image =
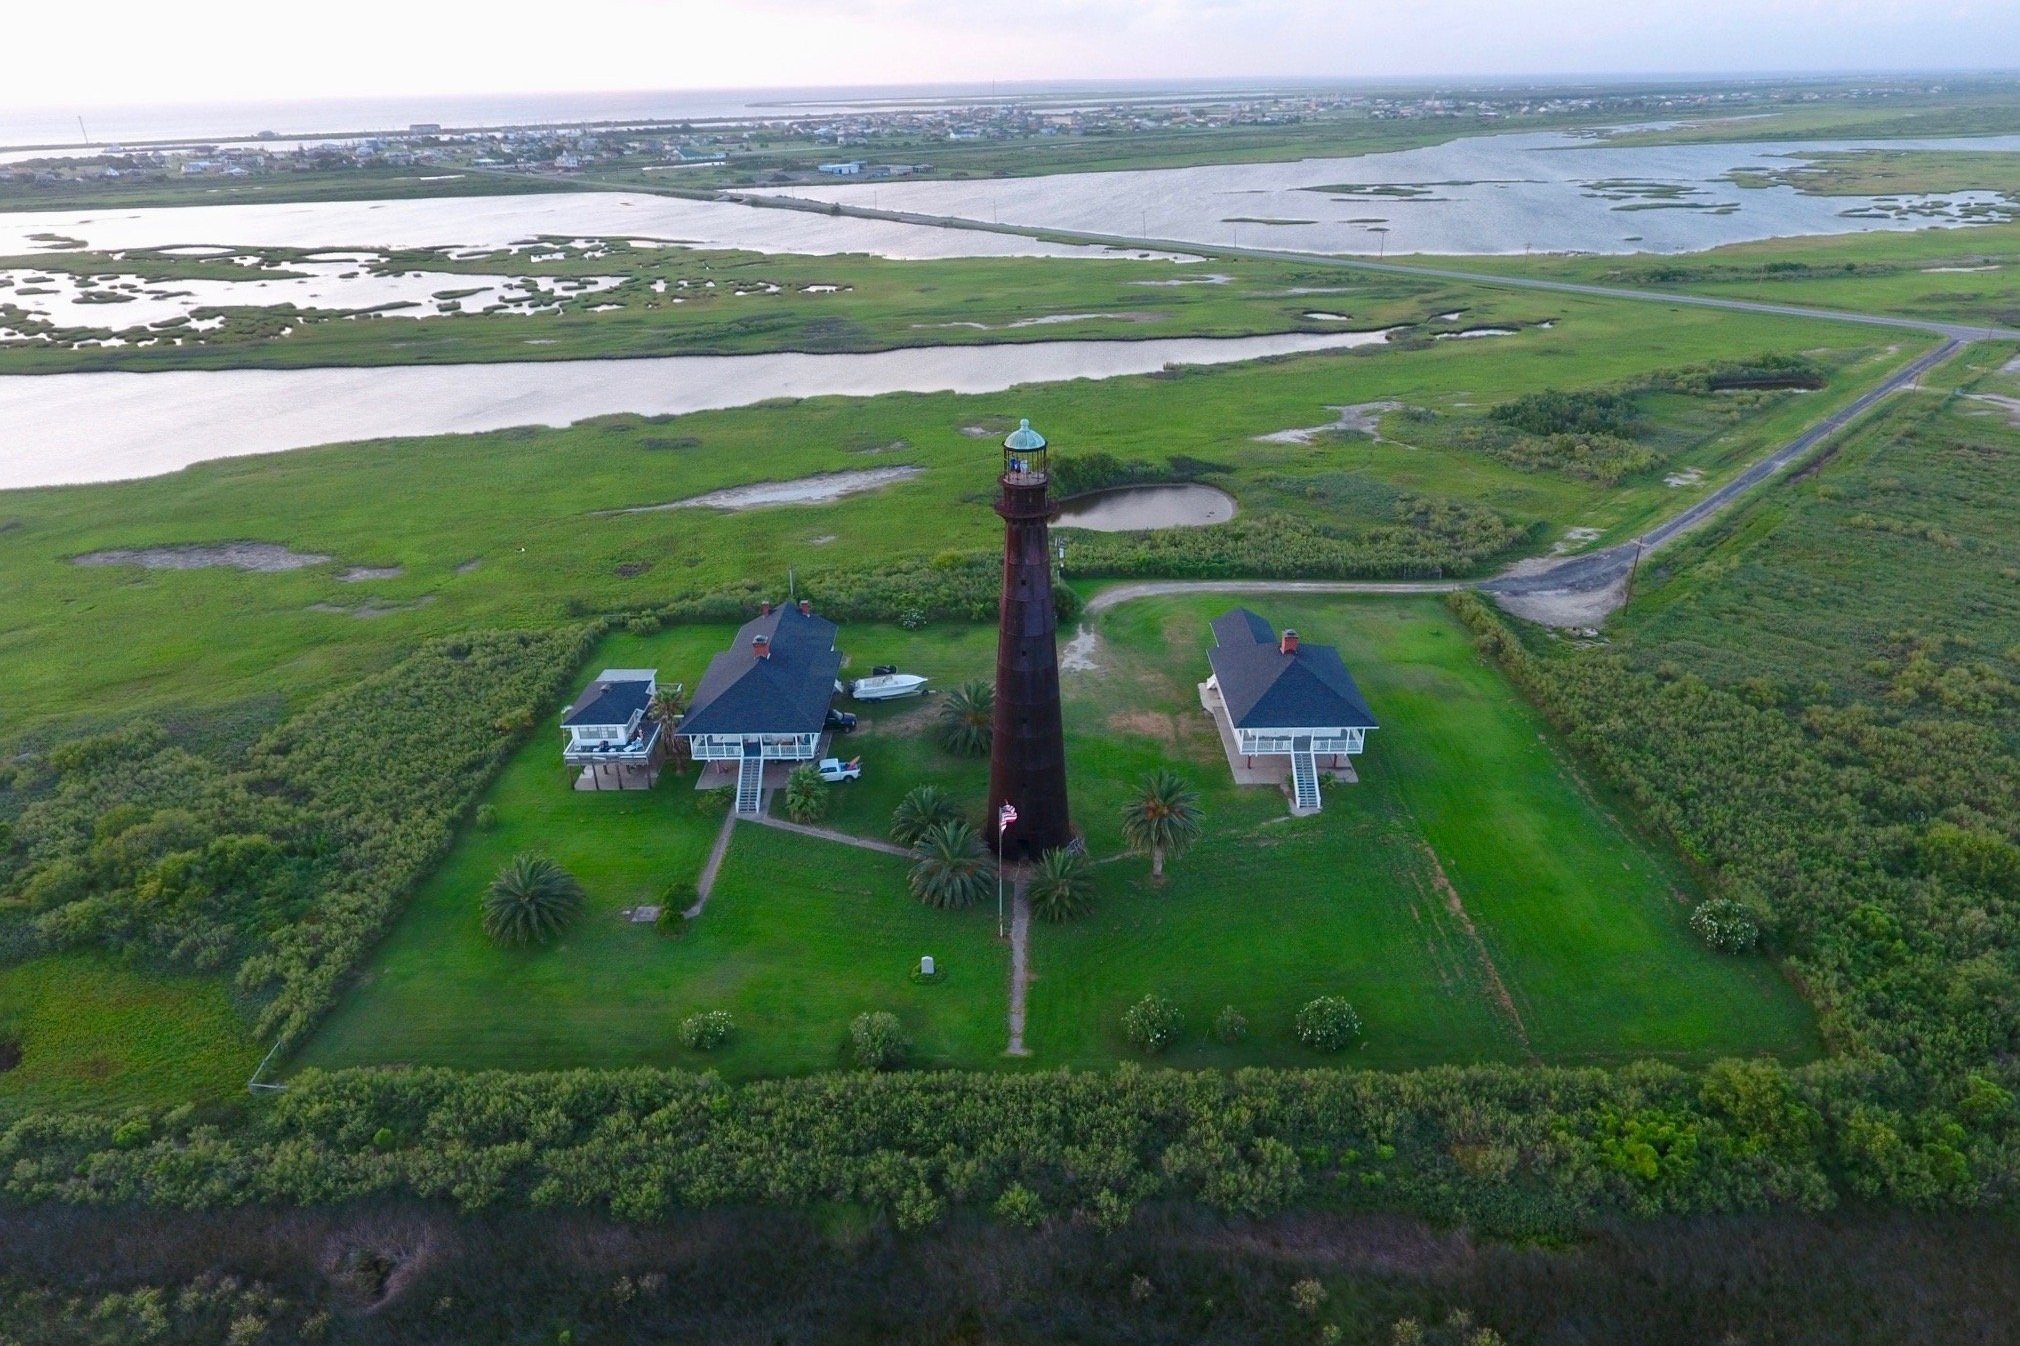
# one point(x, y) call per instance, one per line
point(1281, 706)
point(765, 699)
point(609, 733)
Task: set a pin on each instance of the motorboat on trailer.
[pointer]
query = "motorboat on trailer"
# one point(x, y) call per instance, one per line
point(887, 686)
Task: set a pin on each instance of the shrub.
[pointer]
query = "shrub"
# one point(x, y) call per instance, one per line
point(1152, 1024)
point(1726, 925)
point(714, 803)
point(923, 808)
point(532, 900)
point(486, 817)
point(1328, 1024)
point(706, 1031)
point(1019, 1205)
point(1550, 411)
point(1230, 1025)
point(807, 795)
point(878, 1042)
point(1062, 885)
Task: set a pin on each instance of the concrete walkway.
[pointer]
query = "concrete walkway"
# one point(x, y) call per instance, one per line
point(705, 885)
point(1020, 963)
point(827, 834)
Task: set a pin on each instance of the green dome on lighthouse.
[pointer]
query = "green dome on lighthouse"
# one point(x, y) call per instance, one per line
point(1024, 439)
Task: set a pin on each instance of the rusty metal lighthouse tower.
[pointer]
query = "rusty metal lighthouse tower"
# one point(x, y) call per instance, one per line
point(1027, 753)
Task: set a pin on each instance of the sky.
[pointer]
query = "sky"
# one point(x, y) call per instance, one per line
point(212, 51)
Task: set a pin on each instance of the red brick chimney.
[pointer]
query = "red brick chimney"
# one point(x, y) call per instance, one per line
point(806, 607)
point(1290, 642)
point(761, 646)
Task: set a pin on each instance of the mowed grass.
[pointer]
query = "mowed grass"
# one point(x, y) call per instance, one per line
point(1471, 896)
point(1465, 804)
point(798, 937)
point(95, 1034)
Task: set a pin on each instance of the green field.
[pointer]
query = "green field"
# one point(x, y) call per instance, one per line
point(1580, 920)
point(531, 548)
point(95, 1034)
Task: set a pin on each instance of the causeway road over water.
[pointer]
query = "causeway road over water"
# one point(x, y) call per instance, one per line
point(1567, 591)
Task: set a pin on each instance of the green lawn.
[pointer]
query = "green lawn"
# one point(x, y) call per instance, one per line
point(1582, 921)
point(798, 936)
point(93, 1033)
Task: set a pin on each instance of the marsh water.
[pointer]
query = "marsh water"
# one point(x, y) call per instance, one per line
point(67, 428)
point(493, 223)
point(1549, 192)
point(1127, 509)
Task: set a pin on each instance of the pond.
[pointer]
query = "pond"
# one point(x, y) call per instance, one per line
point(1128, 509)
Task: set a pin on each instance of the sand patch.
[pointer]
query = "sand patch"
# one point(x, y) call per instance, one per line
point(1360, 418)
point(359, 574)
point(1078, 654)
point(1690, 476)
point(1163, 728)
point(2009, 405)
point(814, 490)
point(371, 607)
point(1573, 539)
point(260, 557)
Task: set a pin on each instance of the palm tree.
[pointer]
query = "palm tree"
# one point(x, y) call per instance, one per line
point(530, 901)
point(666, 709)
point(1062, 885)
point(1162, 819)
point(951, 868)
point(923, 807)
point(966, 718)
point(806, 795)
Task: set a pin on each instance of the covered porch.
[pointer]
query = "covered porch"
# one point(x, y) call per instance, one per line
point(1263, 768)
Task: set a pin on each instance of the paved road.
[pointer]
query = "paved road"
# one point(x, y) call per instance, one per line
point(1597, 570)
point(1124, 593)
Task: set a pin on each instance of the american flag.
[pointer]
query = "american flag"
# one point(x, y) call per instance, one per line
point(1005, 816)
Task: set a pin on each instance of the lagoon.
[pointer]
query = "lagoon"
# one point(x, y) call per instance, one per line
point(60, 429)
point(1546, 191)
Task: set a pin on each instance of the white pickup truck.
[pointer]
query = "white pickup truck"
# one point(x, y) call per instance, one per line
point(835, 769)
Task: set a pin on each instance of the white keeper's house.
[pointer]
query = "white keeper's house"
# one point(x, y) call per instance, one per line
point(765, 700)
point(611, 734)
point(1287, 711)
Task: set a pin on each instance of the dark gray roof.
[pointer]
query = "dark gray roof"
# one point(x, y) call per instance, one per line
point(1267, 689)
point(789, 693)
point(615, 696)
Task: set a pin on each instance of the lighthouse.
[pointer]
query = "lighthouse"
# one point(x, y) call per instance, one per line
point(1027, 750)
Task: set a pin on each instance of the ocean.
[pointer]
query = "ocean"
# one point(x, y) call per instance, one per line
point(22, 127)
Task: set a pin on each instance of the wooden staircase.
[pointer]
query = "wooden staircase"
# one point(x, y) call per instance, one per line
point(750, 787)
point(1304, 778)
